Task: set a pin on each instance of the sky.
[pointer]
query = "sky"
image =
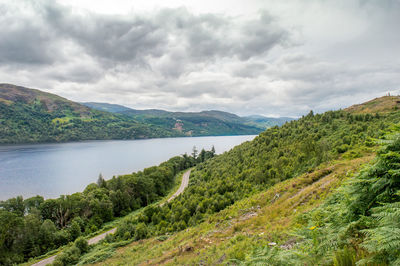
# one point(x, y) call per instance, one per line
point(265, 57)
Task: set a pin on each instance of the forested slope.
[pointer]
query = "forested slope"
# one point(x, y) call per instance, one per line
point(30, 116)
point(195, 123)
point(280, 153)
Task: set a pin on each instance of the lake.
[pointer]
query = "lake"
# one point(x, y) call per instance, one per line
point(51, 170)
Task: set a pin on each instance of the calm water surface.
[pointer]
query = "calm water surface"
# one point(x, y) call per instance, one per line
point(54, 169)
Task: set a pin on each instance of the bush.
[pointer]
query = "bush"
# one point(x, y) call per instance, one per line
point(141, 231)
point(70, 256)
point(342, 148)
point(82, 244)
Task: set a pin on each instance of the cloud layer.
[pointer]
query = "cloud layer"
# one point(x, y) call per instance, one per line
point(280, 60)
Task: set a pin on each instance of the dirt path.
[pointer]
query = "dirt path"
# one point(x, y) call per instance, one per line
point(184, 184)
point(93, 240)
point(96, 239)
point(45, 261)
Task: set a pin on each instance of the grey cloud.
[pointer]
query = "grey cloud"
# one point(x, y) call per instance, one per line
point(177, 60)
point(24, 41)
point(250, 70)
point(118, 39)
point(259, 36)
point(77, 74)
point(210, 36)
point(180, 37)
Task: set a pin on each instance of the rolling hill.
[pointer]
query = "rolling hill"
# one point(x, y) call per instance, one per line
point(195, 123)
point(32, 116)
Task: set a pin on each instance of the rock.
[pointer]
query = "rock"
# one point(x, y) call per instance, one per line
point(188, 249)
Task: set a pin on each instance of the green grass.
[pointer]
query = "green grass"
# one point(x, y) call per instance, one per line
point(261, 219)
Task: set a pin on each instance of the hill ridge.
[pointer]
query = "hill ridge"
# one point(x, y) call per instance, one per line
point(33, 116)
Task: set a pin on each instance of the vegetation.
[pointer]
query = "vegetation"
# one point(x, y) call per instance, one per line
point(31, 116)
point(359, 224)
point(268, 201)
point(266, 122)
point(34, 226)
point(196, 124)
point(278, 154)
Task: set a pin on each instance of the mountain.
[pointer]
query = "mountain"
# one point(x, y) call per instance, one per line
point(196, 123)
point(107, 107)
point(11, 94)
point(266, 122)
point(32, 116)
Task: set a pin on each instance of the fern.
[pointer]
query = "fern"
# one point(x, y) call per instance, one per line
point(364, 210)
point(384, 239)
point(270, 256)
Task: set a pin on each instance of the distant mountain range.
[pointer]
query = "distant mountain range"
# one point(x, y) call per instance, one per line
point(198, 122)
point(33, 116)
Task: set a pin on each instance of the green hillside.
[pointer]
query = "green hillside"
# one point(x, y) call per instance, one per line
point(32, 116)
point(107, 107)
point(266, 122)
point(258, 203)
point(321, 190)
point(196, 123)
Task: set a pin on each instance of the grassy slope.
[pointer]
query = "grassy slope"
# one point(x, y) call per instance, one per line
point(385, 104)
point(260, 220)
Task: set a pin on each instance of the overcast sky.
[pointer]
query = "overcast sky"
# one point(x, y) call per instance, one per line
point(274, 58)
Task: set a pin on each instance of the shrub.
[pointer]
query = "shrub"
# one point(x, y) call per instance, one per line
point(82, 244)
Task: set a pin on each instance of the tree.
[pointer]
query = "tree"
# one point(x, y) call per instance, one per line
point(202, 155)
point(33, 203)
point(213, 150)
point(14, 205)
point(74, 230)
point(47, 234)
point(101, 182)
point(194, 152)
point(11, 226)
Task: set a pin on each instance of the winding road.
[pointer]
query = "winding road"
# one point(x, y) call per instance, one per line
point(184, 184)
point(96, 239)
